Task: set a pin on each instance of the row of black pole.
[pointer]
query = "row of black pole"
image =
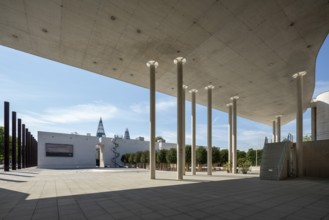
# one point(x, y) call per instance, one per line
point(27, 145)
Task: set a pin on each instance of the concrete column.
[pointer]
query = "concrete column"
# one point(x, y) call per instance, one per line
point(313, 119)
point(234, 132)
point(299, 123)
point(209, 89)
point(180, 61)
point(230, 135)
point(184, 129)
point(274, 132)
point(152, 65)
point(6, 136)
point(13, 140)
point(193, 131)
point(278, 129)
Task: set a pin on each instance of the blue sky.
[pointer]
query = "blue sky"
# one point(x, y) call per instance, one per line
point(51, 96)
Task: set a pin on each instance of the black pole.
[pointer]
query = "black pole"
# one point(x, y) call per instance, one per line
point(27, 148)
point(36, 153)
point(19, 139)
point(13, 140)
point(6, 136)
point(23, 147)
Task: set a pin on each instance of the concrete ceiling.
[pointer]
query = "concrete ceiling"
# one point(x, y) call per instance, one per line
point(242, 47)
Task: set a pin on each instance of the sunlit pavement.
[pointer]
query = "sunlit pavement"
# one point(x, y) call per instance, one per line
point(129, 194)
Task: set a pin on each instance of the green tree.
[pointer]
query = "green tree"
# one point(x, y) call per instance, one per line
point(307, 138)
point(137, 157)
point(223, 156)
point(251, 156)
point(188, 154)
point(171, 156)
point(159, 138)
point(241, 154)
point(131, 158)
point(161, 157)
point(215, 155)
point(145, 156)
point(201, 155)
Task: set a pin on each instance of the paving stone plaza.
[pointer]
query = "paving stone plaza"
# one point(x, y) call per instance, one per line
point(130, 194)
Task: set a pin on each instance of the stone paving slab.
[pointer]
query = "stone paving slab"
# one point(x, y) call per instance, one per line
point(129, 194)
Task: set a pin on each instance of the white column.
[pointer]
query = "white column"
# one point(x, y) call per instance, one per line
point(278, 128)
point(273, 132)
point(193, 131)
point(234, 132)
point(152, 65)
point(180, 61)
point(313, 119)
point(209, 89)
point(184, 130)
point(299, 123)
point(230, 135)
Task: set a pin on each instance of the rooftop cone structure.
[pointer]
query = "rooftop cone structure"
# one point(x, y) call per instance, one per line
point(100, 129)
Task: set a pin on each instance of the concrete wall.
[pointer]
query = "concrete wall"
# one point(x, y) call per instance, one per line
point(84, 149)
point(322, 105)
point(316, 158)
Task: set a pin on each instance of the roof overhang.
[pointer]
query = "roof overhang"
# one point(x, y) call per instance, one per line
point(248, 49)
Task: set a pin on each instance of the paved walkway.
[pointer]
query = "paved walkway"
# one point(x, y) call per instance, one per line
point(129, 194)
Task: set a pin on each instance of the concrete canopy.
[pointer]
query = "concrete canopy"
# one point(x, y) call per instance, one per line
point(245, 48)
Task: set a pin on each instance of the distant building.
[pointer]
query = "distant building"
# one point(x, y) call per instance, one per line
point(100, 129)
point(140, 138)
point(127, 135)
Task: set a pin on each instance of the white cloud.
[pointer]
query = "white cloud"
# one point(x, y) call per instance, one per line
point(320, 87)
point(71, 114)
point(144, 107)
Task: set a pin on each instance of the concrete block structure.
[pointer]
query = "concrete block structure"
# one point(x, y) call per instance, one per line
point(85, 149)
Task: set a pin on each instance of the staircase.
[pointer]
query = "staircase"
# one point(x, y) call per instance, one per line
point(115, 152)
point(275, 161)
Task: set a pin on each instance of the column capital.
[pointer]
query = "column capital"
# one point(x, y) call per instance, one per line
point(229, 104)
point(185, 86)
point(152, 62)
point(278, 116)
point(234, 98)
point(193, 91)
point(209, 87)
point(180, 59)
point(302, 73)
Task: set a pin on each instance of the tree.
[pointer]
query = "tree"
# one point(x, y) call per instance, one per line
point(223, 156)
point(188, 154)
point(307, 138)
point(215, 155)
point(201, 155)
point(137, 157)
point(145, 156)
point(251, 156)
point(160, 139)
point(161, 157)
point(241, 154)
point(131, 158)
point(171, 156)
point(124, 158)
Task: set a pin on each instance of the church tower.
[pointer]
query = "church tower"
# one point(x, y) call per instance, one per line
point(100, 129)
point(127, 135)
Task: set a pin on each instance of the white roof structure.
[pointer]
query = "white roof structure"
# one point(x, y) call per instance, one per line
point(248, 49)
